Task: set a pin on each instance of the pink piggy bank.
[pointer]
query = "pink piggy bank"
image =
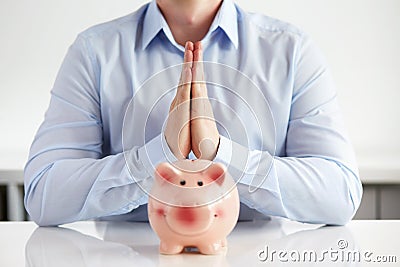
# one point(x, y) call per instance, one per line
point(193, 203)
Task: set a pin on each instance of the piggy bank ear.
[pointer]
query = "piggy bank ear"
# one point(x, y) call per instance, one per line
point(216, 172)
point(165, 172)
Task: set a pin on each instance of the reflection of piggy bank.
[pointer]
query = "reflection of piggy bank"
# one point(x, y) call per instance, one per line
point(193, 203)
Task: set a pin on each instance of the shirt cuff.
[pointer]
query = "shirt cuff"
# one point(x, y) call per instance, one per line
point(224, 153)
point(155, 152)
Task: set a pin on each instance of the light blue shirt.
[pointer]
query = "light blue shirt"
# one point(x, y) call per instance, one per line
point(282, 135)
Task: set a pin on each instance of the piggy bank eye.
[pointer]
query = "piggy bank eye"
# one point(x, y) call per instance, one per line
point(200, 183)
point(182, 182)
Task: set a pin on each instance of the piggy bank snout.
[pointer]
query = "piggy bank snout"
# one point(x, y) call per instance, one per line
point(191, 199)
point(190, 220)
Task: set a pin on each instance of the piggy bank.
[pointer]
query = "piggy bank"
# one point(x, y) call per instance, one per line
point(193, 203)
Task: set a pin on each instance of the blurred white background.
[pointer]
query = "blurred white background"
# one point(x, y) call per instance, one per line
point(360, 38)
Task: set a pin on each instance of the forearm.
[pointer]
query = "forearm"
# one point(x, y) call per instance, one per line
point(307, 189)
point(82, 187)
point(318, 190)
point(78, 189)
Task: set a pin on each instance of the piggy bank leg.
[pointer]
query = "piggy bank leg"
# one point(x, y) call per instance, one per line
point(224, 243)
point(217, 247)
point(169, 248)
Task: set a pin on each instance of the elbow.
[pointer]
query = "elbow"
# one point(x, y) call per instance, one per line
point(36, 214)
point(347, 208)
point(337, 209)
point(355, 194)
point(34, 199)
point(39, 220)
point(333, 213)
point(33, 203)
point(342, 216)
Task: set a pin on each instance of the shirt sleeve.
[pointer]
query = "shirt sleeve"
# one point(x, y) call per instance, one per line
point(317, 180)
point(67, 177)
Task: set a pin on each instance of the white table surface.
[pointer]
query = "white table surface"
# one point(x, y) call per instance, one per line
point(135, 244)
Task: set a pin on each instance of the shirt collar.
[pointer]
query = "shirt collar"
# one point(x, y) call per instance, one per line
point(226, 19)
point(152, 23)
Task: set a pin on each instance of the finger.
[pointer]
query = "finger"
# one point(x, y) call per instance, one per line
point(198, 73)
point(198, 83)
point(188, 56)
point(183, 91)
point(198, 51)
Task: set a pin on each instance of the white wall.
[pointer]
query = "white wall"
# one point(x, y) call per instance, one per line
point(360, 38)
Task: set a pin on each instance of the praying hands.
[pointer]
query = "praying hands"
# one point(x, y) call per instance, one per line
point(191, 125)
